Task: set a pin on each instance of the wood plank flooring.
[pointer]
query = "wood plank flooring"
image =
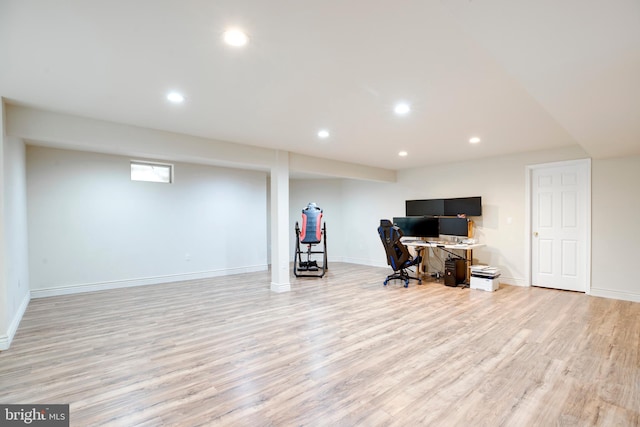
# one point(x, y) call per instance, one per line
point(339, 351)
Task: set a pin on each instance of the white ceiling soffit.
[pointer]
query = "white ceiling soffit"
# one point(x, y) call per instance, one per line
point(520, 75)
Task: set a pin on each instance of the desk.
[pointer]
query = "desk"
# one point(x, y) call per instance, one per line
point(468, 249)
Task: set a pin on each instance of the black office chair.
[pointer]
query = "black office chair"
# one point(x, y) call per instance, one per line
point(313, 232)
point(398, 255)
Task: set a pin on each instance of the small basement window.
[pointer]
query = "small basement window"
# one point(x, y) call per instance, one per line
point(151, 172)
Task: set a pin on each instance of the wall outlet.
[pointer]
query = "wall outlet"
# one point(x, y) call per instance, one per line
point(187, 257)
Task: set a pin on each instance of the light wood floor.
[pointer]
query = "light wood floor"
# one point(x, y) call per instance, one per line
point(342, 350)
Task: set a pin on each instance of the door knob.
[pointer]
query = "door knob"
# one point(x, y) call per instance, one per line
point(535, 234)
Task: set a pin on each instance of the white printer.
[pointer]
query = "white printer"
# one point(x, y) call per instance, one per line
point(484, 277)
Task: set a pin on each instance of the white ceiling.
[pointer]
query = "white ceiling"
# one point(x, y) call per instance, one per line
point(521, 75)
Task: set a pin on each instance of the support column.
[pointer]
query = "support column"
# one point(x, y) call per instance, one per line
point(280, 270)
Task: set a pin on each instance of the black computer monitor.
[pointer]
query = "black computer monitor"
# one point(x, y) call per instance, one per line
point(470, 206)
point(418, 226)
point(454, 226)
point(430, 207)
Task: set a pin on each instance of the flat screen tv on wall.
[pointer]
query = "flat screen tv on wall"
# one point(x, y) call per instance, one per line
point(469, 206)
point(430, 207)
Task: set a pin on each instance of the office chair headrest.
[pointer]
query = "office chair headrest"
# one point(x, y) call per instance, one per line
point(385, 223)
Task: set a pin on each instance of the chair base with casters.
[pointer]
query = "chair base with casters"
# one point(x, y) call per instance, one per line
point(403, 274)
point(398, 256)
point(310, 234)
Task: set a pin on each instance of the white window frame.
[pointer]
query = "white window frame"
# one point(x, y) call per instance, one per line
point(170, 166)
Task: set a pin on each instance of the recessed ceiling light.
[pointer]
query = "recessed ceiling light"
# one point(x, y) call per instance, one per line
point(235, 37)
point(403, 154)
point(402, 108)
point(474, 140)
point(175, 97)
point(323, 134)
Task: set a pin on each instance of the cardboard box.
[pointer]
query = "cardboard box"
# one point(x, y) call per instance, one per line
point(485, 284)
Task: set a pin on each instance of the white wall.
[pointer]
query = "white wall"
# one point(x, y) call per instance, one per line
point(57, 130)
point(500, 182)
point(15, 273)
point(616, 227)
point(91, 227)
point(364, 205)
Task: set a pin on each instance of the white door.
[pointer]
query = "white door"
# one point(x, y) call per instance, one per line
point(560, 223)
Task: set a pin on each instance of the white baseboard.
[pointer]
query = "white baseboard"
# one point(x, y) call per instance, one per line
point(115, 284)
point(280, 287)
point(5, 340)
point(368, 262)
point(513, 281)
point(607, 293)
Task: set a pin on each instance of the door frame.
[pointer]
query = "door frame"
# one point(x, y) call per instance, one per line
point(529, 217)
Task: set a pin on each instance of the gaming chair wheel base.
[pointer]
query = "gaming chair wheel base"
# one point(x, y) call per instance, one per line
point(402, 275)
